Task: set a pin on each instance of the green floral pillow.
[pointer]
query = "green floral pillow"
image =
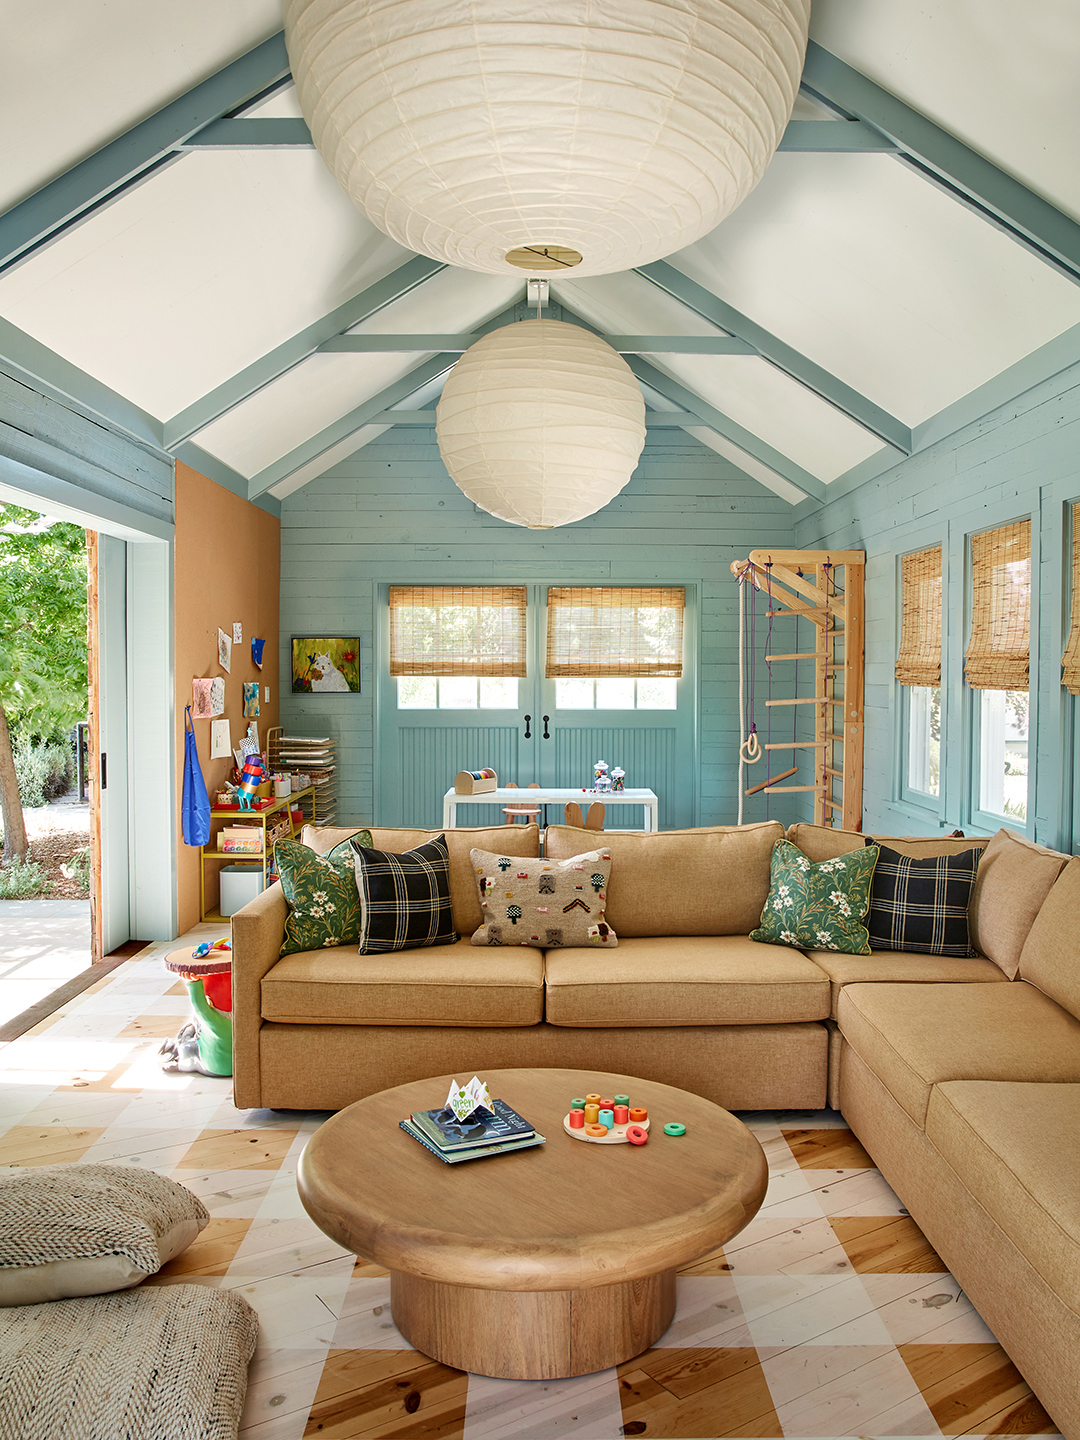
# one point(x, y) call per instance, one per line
point(324, 905)
point(818, 907)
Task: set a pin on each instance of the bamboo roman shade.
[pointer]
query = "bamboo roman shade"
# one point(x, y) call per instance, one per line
point(997, 654)
point(919, 660)
point(457, 630)
point(1070, 661)
point(599, 631)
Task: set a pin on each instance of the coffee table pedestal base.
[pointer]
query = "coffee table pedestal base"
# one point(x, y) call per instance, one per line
point(532, 1334)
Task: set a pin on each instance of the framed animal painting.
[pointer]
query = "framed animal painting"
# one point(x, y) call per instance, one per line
point(325, 665)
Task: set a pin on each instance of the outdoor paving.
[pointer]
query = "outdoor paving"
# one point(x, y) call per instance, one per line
point(42, 944)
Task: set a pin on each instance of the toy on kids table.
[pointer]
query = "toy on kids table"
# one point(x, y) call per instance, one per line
point(601, 778)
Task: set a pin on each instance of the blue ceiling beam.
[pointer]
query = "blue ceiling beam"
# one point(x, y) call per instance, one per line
point(625, 344)
point(950, 164)
point(139, 153)
point(716, 420)
point(837, 137)
point(256, 134)
point(822, 382)
point(340, 430)
point(283, 357)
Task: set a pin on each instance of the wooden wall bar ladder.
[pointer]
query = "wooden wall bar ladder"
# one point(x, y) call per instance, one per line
point(827, 588)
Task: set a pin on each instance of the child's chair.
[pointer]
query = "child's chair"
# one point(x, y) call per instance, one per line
point(526, 812)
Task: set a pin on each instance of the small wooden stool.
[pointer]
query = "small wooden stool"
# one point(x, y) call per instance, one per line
point(206, 1045)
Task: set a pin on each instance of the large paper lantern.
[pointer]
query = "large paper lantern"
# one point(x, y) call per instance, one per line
point(541, 423)
point(580, 135)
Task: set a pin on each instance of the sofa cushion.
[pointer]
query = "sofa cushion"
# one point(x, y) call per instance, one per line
point(324, 905)
point(823, 842)
point(898, 966)
point(404, 899)
point(821, 904)
point(694, 980)
point(543, 902)
point(915, 1036)
point(450, 985)
point(921, 903)
point(680, 882)
point(510, 839)
point(1015, 1148)
point(1050, 958)
point(1014, 879)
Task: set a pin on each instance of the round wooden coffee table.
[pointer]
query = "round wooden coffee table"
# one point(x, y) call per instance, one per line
point(553, 1261)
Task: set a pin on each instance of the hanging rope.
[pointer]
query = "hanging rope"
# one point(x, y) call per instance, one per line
point(749, 745)
point(768, 662)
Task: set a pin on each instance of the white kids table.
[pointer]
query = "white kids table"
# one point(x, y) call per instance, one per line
point(550, 796)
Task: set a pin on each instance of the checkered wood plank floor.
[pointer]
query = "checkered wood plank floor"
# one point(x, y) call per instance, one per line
point(830, 1315)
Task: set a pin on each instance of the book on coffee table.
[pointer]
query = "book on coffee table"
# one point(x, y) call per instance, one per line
point(475, 1152)
point(488, 1127)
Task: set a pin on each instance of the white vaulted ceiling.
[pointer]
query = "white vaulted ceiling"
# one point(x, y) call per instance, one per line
point(877, 298)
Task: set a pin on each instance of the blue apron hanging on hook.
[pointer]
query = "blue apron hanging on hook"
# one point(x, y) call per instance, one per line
point(195, 806)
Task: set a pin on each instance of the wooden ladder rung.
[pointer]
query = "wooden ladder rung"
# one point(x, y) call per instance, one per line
point(797, 745)
point(832, 805)
point(837, 774)
point(791, 789)
point(799, 655)
point(773, 780)
point(809, 700)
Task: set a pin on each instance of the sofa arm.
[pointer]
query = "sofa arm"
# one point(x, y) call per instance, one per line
point(257, 931)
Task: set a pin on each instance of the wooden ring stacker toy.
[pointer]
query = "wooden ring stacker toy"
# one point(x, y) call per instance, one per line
point(615, 1136)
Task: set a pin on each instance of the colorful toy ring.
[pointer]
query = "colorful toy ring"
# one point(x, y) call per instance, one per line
point(637, 1134)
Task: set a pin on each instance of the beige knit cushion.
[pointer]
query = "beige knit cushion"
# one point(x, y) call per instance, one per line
point(1015, 1147)
point(443, 985)
point(161, 1363)
point(822, 842)
point(681, 882)
point(901, 967)
point(69, 1230)
point(509, 839)
point(697, 980)
point(914, 1036)
point(544, 902)
point(1050, 958)
point(1014, 879)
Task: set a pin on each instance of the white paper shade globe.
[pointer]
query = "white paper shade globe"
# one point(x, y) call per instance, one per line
point(614, 130)
point(541, 423)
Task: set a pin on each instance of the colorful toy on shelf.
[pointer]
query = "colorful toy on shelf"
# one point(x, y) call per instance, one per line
point(618, 777)
point(251, 777)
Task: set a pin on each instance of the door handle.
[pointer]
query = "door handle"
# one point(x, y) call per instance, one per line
point(546, 719)
point(528, 732)
point(104, 771)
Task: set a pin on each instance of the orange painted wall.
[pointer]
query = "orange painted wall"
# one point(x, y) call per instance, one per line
point(228, 562)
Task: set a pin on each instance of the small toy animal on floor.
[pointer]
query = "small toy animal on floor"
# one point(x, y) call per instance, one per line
point(182, 1053)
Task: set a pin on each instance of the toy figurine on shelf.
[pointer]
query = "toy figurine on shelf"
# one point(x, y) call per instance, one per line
point(617, 777)
point(601, 778)
point(253, 775)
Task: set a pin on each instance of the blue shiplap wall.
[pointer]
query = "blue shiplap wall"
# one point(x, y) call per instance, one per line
point(1022, 459)
point(391, 513)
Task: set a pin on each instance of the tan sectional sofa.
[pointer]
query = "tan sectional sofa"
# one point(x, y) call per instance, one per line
point(960, 1076)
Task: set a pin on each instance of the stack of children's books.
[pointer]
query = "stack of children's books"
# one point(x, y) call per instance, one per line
point(460, 1131)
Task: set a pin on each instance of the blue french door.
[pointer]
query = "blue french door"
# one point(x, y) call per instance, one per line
point(553, 735)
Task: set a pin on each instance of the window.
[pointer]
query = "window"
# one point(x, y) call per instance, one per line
point(657, 693)
point(600, 632)
point(918, 668)
point(457, 647)
point(996, 664)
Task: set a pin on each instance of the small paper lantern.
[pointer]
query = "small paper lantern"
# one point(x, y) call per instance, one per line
point(541, 423)
point(569, 136)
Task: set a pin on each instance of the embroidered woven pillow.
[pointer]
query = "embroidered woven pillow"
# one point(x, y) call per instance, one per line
point(404, 899)
point(543, 902)
point(922, 904)
point(324, 906)
point(818, 906)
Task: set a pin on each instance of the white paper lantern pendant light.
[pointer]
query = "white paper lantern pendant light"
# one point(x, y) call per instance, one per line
point(606, 133)
point(541, 423)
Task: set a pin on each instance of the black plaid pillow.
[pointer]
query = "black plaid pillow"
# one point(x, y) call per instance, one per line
point(404, 899)
point(921, 904)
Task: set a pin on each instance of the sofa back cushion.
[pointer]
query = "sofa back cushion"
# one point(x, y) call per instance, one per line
point(464, 895)
point(712, 881)
point(821, 842)
point(1014, 880)
point(1050, 958)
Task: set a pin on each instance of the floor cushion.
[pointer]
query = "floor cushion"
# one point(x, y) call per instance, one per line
point(68, 1230)
point(695, 980)
point(445, 985)
point(915, 1036)
point(902, 967)
point(159, 1363)
point(1016, 1147)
